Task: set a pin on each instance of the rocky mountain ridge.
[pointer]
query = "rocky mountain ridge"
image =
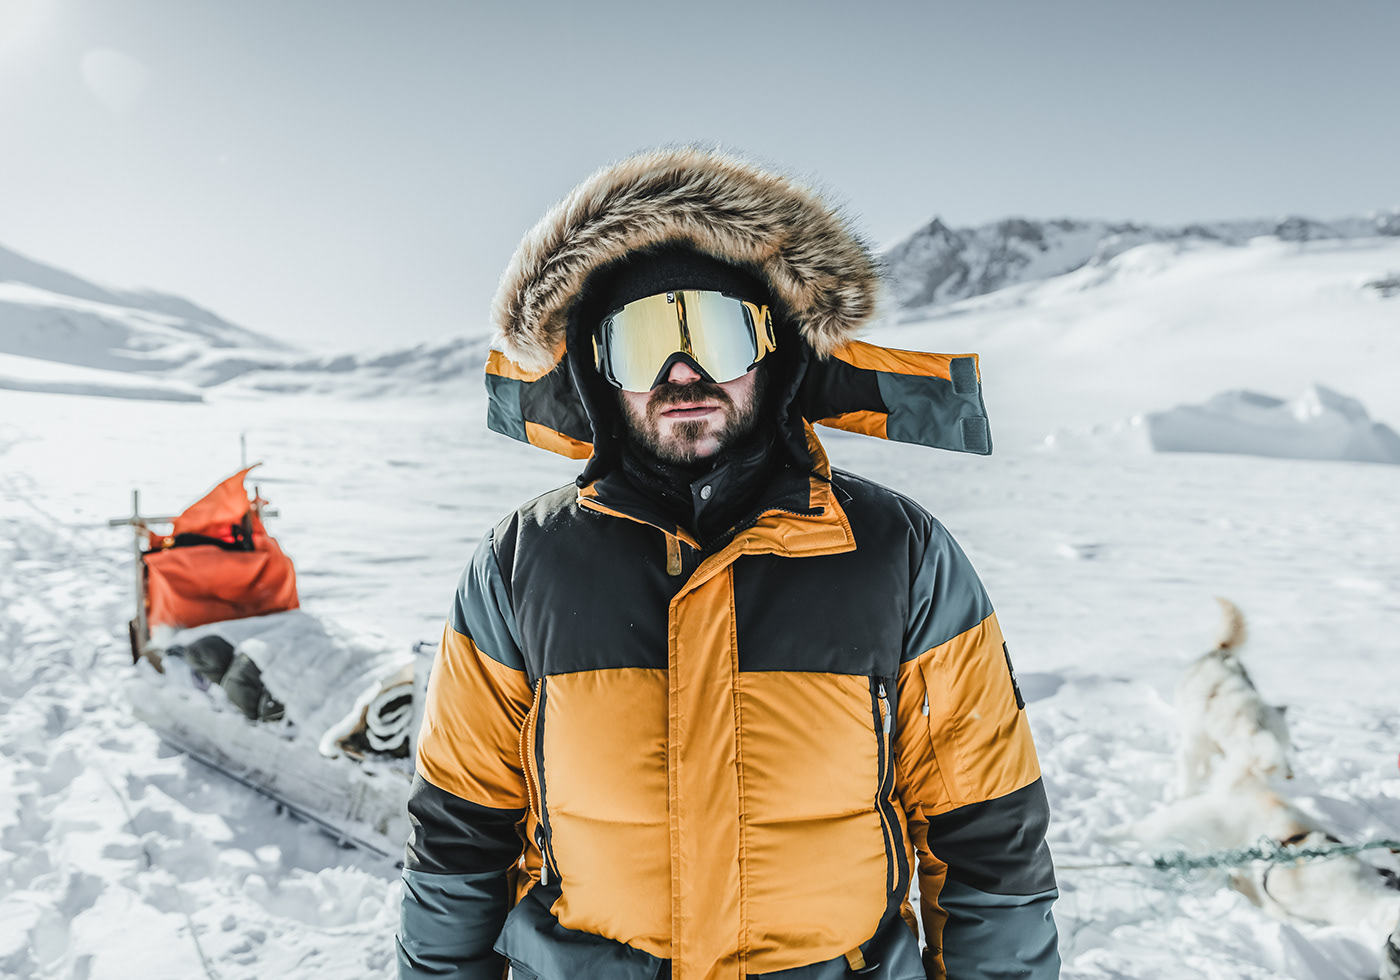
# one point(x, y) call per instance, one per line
point(938, 264)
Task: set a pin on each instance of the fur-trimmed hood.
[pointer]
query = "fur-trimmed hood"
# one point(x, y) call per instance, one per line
point(815, 264)
point(816, 268)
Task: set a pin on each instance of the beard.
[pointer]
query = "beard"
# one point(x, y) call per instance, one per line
point(681, 446)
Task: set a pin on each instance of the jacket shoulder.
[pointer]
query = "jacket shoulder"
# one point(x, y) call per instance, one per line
point(545, 511)
point(867, 501)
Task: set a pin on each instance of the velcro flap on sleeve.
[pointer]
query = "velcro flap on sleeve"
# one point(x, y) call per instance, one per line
point(905, 396)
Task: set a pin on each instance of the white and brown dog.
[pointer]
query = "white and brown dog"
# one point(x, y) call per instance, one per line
point(1228, 732)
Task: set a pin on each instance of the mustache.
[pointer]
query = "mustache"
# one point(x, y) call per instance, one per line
point(666, 394)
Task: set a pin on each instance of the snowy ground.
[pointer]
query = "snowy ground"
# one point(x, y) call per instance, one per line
point(121, 859)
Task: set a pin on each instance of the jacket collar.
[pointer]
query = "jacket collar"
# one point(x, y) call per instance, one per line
point(710, 499)
point(797, 514)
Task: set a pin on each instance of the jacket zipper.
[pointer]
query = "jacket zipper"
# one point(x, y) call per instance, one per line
point(897, 874)
point(882, 727)
point(534, 785)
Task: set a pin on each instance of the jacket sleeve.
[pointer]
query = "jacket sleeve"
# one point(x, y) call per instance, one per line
point(970, 782)
point(468, 791)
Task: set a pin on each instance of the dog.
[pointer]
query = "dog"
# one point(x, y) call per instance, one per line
point(1341, 891)
point(1228, 732)
point(1232, 764)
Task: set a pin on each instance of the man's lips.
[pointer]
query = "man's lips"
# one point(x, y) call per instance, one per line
point(689, 411)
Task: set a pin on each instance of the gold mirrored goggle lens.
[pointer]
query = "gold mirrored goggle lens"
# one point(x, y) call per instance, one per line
point(723, 335)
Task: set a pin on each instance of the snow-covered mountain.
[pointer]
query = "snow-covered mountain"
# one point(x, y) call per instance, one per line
point(196, 320)
point(51, 316)
point(938, 264)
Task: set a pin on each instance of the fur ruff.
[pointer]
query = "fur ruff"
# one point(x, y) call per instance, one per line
point(722, 205)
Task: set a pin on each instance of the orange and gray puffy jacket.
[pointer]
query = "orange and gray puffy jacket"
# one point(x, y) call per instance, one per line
point(644, 755)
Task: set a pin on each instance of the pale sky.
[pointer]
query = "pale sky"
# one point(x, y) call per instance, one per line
point(348, 173)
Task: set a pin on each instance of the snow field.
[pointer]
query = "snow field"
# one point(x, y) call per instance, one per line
point(119, 857)
point(116, 853)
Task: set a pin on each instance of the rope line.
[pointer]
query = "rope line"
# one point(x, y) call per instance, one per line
point(1268, 851)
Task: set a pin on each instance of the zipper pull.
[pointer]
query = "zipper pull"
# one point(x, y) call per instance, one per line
point(673, 555)
point(885, 708)
point(544, 856)
point(926, 704)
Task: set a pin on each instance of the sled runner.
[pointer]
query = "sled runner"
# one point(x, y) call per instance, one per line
point(230, 670)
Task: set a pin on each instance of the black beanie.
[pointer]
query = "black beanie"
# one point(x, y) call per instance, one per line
point(663, 270)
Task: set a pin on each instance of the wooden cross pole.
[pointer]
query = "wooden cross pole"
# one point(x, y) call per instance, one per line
point(258, 504)
point(140, 630)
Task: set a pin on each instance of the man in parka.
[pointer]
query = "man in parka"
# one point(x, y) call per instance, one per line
point(707, 711)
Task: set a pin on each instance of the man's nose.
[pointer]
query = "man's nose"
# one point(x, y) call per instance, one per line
point(682, 373)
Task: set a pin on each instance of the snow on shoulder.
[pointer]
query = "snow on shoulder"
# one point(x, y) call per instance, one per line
point(1319, 424)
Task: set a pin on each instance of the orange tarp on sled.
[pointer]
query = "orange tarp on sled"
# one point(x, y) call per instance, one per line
point(189, 584)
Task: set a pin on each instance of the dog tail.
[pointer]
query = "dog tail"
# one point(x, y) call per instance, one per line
point(1232, 629)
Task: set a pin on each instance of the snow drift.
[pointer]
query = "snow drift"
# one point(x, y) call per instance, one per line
point(1318, 424)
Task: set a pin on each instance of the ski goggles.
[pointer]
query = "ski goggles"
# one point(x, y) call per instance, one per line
point(720, 336)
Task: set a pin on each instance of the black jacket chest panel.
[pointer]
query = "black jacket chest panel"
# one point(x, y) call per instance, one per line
point(589, 591)
point(840, 614)
point(809, 614)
